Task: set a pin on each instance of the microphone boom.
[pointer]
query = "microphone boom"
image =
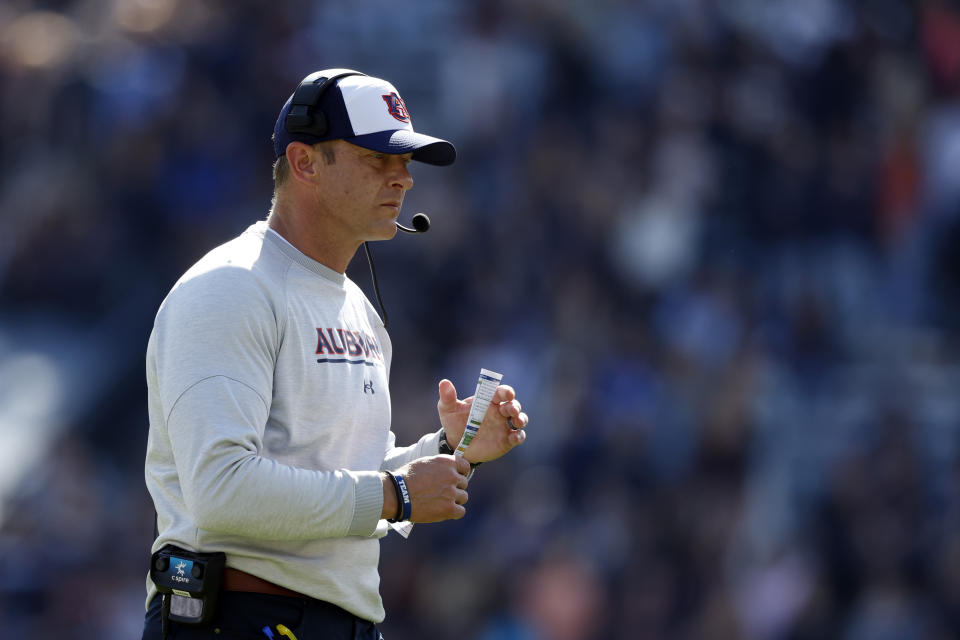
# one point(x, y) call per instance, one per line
point(421, 224)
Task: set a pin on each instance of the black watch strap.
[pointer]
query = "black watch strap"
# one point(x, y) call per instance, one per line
point(445, 447)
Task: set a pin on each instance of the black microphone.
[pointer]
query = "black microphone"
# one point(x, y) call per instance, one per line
point(421, 224)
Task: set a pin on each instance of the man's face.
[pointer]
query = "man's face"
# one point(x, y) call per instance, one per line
point(361, 191)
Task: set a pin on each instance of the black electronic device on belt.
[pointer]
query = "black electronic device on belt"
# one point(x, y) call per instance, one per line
point(189, 582)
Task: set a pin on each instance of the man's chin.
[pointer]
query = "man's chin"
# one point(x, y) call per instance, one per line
point(384, 233)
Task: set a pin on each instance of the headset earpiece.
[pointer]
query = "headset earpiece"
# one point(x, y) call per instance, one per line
point(299, 118)
point(303, 116)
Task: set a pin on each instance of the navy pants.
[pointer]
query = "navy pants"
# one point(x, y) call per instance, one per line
point(258, 616)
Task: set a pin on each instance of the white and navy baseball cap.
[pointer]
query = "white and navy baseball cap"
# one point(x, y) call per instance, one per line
point(342, 104)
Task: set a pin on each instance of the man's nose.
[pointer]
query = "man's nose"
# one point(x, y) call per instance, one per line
point(400, 174)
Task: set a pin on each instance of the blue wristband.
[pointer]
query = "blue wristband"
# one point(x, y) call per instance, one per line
point(404, 507)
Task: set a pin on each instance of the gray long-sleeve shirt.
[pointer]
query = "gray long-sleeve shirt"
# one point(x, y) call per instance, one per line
point(269, 410)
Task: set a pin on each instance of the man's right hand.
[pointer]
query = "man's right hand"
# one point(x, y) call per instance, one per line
point(437, 487)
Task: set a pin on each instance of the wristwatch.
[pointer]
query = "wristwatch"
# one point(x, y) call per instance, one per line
point(445, 447)
point(447, 450)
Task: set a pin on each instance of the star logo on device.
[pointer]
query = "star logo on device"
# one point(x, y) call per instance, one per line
point(180, 567)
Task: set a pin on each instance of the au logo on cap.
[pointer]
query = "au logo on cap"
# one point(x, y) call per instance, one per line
point(396, 107)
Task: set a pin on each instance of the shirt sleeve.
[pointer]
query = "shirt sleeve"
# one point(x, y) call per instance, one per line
point(215, 430)
point(217, 337)
point(396, 457)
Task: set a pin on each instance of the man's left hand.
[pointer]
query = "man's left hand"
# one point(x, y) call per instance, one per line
point(500, 431)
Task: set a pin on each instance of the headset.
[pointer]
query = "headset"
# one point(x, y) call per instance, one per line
point(304, 117)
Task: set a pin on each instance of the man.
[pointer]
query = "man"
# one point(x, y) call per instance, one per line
point(267, 374)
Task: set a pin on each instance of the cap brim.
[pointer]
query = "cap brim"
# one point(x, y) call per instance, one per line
point(424, 148)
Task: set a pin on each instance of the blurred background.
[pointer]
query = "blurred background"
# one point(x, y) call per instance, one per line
point(714, 245)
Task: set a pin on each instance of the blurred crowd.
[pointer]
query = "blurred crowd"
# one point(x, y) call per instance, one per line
point(714, 245)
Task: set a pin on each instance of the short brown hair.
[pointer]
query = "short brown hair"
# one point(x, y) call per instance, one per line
point(281, 171)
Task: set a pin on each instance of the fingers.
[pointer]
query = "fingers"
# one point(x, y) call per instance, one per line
point(448, 396)
point(438, 487)
point(504, 393)
point(463, 466)
point(448, 400)
point(460, 498)
point(516, 418)
point(510, 409)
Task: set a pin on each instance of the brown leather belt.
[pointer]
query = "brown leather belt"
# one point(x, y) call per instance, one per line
point(236, 580)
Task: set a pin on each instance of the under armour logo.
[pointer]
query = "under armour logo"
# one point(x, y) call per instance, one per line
point(368, 386)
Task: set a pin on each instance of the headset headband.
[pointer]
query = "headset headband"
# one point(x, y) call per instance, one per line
point(302, 117)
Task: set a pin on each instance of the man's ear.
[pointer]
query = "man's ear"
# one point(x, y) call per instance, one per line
point(303, 161)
